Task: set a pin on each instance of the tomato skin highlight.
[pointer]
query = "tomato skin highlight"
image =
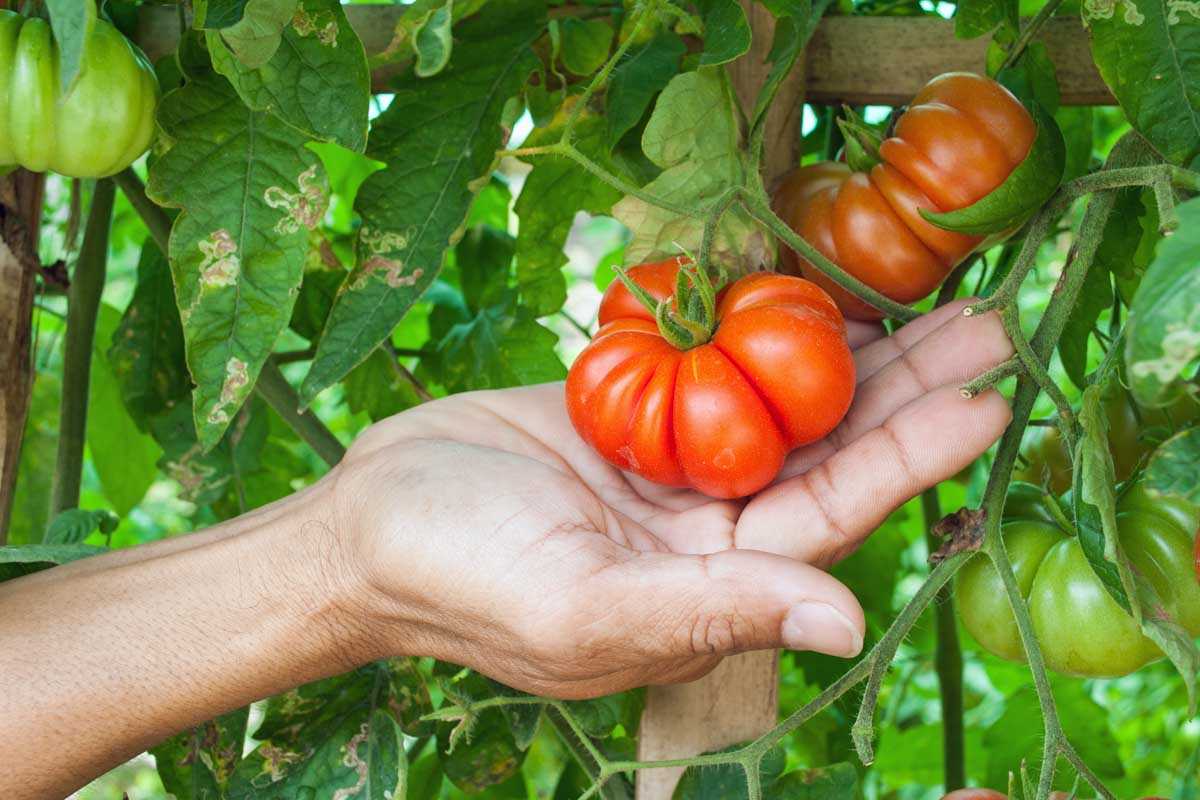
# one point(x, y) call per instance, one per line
point(720, 417)
point(1082, 631)
point(961, 137)
point(100, 128)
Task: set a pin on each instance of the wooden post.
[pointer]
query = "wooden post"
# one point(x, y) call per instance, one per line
point(739, 699)
point(20, 213)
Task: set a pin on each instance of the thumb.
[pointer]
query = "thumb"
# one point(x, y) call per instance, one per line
point(729, 602)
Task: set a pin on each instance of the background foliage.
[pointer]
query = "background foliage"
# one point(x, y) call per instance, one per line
point(379, 270)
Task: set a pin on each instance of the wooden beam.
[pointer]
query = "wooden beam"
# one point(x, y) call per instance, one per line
point(739, 700)
point(20, 214)
point(885, 60)
point(856, 60)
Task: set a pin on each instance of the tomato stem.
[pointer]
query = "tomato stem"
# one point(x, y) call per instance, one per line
point(862, 141)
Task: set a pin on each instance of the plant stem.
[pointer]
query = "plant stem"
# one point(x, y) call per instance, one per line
point(279, 394)
point(761, 210)
point(83, 305)
point(1035, 233)
point(158, 222)
point(600, 78)
point(606, 783)
point(987, 380)
point(947, 659)
point(1028, 32)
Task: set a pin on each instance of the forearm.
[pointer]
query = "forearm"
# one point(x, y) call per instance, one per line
point(113, 654)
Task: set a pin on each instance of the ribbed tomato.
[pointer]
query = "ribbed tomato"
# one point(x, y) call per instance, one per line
point(960, 138)
point(719, 417)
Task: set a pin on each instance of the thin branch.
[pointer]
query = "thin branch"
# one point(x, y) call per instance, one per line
point(761, 210)
point(158, 222)
point(948, 662)
point(1006, 369)
point(273, 387)
point(83, 305)
point(293, 356)
point(1028, 32)
point(403, 373)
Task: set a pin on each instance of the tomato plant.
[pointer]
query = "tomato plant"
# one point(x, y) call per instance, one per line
point(774, 373)
point(1082, 630)
point(353, 208)
point(961, 137)
point(98, 126)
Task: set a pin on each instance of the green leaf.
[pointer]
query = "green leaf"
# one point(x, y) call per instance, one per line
point(487, 756)
point(438, 138)
point(1148, 52)
point(1024, 191)
point(432, 41)
point(502, 346)
point(316, 80)
point(72, 22)
point(833, 782)
point(585, 44)
point(76, 524)
point(483, 257)
point(220, 13)
point(1172, 469)
point(636, 79)
point(1163, 333)
point(693, 136)
point(332, 738)
point(35, 471)
point(146, 356)
point(1033, 78)
point(375, 388)
point(205, 476)
point(974, 18)
point(792, 33)
point(554, 192)
point(29, 558)
point(726, 31)
point(255, 37)
point(1078, 128)
point(425, 778)
point(124, 456)
point(1095, 296)
point(728, 781)
point(314, 301)
point(409, 697)
point(197, 763)
point(249, 191)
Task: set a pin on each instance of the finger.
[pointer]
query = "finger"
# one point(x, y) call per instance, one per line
point(952, 354)
point(824, 514)
point(872, 358)
point(860, 334)
point(667, 606)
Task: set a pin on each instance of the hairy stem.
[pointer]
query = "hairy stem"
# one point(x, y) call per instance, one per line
point(600, 78)
point(1028, 32)
point(948, 662)
point(83, 304)
point(758, 208)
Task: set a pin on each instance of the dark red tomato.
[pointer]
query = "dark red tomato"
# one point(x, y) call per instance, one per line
point(719, 417)
point(960, 138)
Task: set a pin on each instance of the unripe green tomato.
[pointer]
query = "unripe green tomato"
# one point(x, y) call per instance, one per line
point(1176, 509)
point(1081, 629)
point(100, 128)
point(1027, 501)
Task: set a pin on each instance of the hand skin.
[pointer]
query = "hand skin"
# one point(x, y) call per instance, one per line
point(480, 530)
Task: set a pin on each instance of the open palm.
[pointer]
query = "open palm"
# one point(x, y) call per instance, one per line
point(558, 573)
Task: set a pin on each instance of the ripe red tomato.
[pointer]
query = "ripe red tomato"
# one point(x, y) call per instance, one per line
point(719, 417)
point(975, 794)
point(960, 138)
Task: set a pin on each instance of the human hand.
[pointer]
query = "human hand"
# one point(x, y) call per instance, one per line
point(493, 537)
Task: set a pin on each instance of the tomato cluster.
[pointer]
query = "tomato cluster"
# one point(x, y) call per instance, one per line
point(1081, 629)
point(99, 127)
point(961, 137)
point(720, 417)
